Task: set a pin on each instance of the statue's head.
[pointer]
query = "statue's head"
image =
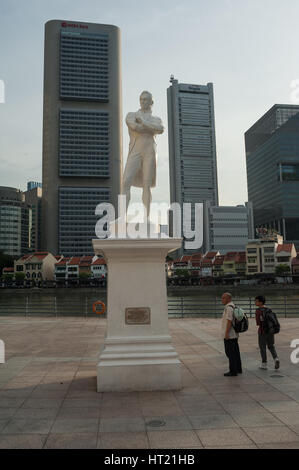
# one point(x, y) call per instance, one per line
point(146, 100)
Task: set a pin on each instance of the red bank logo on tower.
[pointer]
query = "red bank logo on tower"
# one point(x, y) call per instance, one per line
point(64, 24)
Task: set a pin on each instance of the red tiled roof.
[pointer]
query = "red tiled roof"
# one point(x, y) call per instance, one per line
point(285, 247)
point(39, 255)
point(219, 260)
point(211, 254)
point(75, 260)
point(186, 258)
point(8, 270)
point(25, 257)
point(207, 261)
point(231, 256)
point(241, 257)
point(62, 262)
point(98, 262)
point(196, 256)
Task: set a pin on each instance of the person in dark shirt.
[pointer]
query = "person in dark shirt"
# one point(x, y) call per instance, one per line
point(264, 339)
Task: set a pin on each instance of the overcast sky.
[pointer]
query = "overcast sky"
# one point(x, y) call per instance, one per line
point(248, 49)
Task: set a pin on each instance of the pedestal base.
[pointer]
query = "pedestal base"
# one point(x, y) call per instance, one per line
point(137, 354)
point(143, 364)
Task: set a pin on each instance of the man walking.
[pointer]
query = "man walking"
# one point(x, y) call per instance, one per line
point(265, 339)
point(230, 337)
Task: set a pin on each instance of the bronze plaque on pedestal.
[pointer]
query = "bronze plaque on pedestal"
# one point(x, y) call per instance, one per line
point(138, 316)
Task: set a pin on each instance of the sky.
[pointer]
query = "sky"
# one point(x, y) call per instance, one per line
point(248, 49)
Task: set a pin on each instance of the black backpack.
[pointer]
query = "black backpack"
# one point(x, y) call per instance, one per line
point(240, 326)
point(270, 323)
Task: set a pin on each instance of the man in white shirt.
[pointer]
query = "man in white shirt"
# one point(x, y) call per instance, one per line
point(230, 337)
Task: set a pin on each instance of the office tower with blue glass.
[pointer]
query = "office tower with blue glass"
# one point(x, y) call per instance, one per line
point(272, 160)
point(192, 143)
point(82, 132)
point(15, 222)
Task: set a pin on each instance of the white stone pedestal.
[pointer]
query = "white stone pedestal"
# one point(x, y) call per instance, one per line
point(137, 354)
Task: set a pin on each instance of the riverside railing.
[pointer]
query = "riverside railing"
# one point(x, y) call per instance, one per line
point(178, 307)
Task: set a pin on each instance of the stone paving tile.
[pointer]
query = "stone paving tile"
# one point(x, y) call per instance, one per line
point(3, 423)
point(234, 446)
point(243, 408)
point(256, 419)
point(269, 396)
point(264, 435)
point(112, 425)
point(84, 425)
point(212, 421)
point(81, 402)
point(223, 437)
point(16, 392)
point(289, 418)
point(279, 445)
point(84, 394)
point(7, 412)
point(281, 406)
point(28, 426)
point(78, 413)
point(42, 403)
point(173, 440)
point(11, 402)
point(36, 413)
point(68, 369)
point(294, 395)
point(22, 441)
point(171, 423)
point(120, 411)
point(123, 440)
point(71, 441)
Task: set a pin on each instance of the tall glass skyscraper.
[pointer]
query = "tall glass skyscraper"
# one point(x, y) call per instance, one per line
point(272, 159)
point(15, 222)
point(82, 136)
point(192, 143)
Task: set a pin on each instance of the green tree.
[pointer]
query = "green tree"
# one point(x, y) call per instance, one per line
point(282, 269)
point(19, 276)
point(84, 275)
point(181, 272)
point(6, 261)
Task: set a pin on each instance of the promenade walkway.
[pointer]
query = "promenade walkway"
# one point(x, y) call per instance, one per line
point(48, 395)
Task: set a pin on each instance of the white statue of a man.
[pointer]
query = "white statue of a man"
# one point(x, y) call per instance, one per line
point(140, 170)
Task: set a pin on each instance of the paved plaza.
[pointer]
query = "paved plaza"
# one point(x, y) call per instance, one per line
point(48, 395)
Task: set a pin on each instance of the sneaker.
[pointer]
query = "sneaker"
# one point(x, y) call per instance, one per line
point(263, 366)
point(277, 363)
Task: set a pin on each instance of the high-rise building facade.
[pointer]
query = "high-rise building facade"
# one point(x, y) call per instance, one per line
point(272, 159)
point(33, 184)
point(82, 132)
point(15, 222)
point(33, 197)
point(227, 228)
point(192, 143)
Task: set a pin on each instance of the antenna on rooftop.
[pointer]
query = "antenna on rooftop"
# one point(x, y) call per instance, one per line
point(171, 78)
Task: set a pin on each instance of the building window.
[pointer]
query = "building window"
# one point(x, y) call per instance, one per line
point(288, 172)
point(251, 250)
point(283, 259)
